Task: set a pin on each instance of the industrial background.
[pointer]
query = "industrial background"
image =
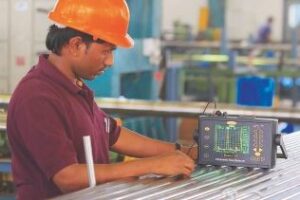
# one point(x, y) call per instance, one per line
point(186, 53)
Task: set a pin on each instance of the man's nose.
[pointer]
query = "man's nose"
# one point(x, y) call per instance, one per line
point(109, 60)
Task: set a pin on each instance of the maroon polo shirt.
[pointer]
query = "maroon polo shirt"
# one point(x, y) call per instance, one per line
point(47, 118)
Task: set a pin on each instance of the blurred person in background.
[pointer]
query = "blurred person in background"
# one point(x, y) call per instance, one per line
point(265, 32)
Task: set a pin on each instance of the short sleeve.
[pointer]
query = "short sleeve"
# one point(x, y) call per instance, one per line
point(42, 123)
point(114, 131)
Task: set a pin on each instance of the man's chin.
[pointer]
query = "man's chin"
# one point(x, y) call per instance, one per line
point(89, 78)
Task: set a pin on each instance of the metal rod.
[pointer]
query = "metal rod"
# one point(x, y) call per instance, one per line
point(89, 160)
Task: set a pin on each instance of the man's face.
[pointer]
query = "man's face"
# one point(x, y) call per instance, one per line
point(93, 59)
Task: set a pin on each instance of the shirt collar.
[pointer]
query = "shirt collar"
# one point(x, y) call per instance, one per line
point(54, 74)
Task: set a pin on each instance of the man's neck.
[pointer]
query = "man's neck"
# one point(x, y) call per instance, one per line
point(62, 65)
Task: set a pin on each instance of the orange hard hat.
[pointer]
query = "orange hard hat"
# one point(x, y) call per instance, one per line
point(107, 20)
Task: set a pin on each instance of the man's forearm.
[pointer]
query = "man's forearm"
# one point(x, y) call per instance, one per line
point(74, 177)
point(125, 169)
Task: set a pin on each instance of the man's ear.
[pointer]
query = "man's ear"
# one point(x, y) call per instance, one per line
point(76, 46)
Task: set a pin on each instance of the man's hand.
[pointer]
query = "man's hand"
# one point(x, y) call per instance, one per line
point(175, 163)
point(191, 151)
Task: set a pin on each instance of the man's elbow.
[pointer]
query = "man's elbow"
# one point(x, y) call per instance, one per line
point(69, 179)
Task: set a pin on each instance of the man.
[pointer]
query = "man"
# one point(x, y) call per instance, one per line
point(264, 33)
point(52, 109)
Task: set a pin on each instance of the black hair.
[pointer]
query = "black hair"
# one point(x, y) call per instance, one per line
point(58, 37)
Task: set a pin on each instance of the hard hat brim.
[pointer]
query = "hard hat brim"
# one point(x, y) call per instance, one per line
point(124, 42)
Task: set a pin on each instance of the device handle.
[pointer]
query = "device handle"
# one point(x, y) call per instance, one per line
point(279, 142)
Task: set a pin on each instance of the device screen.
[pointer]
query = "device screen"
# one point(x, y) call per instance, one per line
point(231, 139)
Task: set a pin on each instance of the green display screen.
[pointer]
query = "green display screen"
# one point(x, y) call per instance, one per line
point(231, 139)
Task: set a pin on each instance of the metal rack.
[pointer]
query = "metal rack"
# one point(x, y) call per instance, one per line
point(181, 109)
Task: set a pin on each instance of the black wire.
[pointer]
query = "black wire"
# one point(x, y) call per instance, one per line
point(207, 104)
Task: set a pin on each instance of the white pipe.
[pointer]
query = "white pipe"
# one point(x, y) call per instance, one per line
point(89, 159)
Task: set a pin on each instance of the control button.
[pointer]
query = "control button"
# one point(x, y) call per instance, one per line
point(206, 128)
point(206, 146)
point(206, 137)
